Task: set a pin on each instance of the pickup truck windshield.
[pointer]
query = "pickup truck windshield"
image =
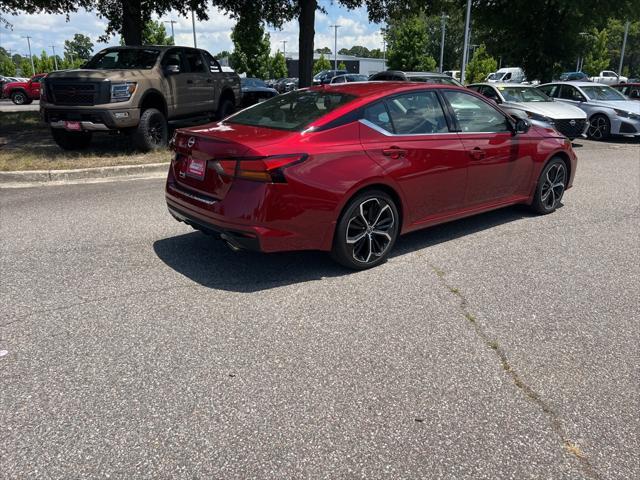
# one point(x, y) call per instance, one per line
point(124, 59)
point(291, 111)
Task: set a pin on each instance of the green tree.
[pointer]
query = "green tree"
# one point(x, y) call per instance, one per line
point(222, 54)
point(278, 66)
point(80, 47)
point(251, 46)
point(481, 65)
point(598, 57)
point(7, 67)
point(321, 64)
point(323, 50)
point(155, 33)
point(342, 66)
point(407, 39)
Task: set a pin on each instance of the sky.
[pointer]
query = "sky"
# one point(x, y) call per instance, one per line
point(212, 35)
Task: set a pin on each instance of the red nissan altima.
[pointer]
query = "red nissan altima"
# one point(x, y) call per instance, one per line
point(347, 168)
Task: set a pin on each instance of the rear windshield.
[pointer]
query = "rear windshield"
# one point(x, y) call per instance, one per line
point(292, 111)
point(124, 59)
point(437, 80)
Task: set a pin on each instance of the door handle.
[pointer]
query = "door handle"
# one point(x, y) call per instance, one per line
point(190, 82)
point(478, 154)
point(394, 152)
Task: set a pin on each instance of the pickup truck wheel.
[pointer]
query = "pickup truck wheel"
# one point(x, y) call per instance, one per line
point(19, 98)
point(71, 140)
point(152, 131)
point(225, 109)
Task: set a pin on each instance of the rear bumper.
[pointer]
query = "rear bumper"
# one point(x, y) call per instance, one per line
point(253, 216)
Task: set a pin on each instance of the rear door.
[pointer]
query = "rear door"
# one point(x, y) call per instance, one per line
point(500, 163)
point(408, 135)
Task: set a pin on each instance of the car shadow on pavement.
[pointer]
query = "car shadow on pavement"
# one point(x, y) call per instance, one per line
point(209, 262)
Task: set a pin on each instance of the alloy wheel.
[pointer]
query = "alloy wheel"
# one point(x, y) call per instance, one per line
point(553, 186)
point(598, 128)
point(156, 130)
point(370, 229)
point(18, 98)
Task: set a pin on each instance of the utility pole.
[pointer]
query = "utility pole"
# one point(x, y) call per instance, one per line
point(466, 43)
point(335, 45)
point(624, 45)
point(33, 68)
point(55, 59)
point(193, 24)
point(384, 48)
point(444, 27)
point(284, 49)
point(173, 38)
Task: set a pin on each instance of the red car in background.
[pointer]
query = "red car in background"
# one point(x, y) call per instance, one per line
point(23, 93)
point(350, 167)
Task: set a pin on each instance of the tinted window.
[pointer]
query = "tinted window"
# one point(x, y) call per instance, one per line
point(124, 59)
point(195, 62)
point(417, 113)
point(340, 79)
point(569, 92)
point(378, 115)
point(489, 92)
point(212, 63)
point(550, 90)
point(291, 111)
point(172, 57)
point(474, 115)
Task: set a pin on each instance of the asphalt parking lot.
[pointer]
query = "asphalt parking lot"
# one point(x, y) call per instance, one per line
point(7, 106)
point(500, 346)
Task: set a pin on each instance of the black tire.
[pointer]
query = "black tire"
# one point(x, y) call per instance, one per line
point(599, 127)
point(551, 186)
point(19, 97)
point(225, 109)
point(357, 243)
point(71, 140)
point(152, 133)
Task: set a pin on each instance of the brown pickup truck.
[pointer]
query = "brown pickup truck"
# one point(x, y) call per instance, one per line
point(137, 91)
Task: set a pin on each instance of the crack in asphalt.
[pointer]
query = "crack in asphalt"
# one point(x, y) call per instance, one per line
point(554, 417)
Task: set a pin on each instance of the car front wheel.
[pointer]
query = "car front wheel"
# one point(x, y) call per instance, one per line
point(19, 98)
point(366, 231)
point(551, 186)
point(599, 127)
point(152, 132)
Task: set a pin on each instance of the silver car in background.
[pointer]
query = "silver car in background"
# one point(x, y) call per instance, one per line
point(525, 101)
point(609, 112)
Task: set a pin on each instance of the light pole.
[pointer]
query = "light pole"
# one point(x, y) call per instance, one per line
point(173, 38)
point(384, 48)
point(624, 45)
point(466, 42)
point(284, 49)
point(33, 68)
point(444, 27)
point(193, 24)
point(55, 59)
point(335, 45)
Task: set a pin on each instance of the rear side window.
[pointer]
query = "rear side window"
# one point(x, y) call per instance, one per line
point(550, 90)
point(417, 113)
point(195, 62)
point(377, 114)
point(571, 93)
point(212, 63)
point(474, 115)
point(292, 111)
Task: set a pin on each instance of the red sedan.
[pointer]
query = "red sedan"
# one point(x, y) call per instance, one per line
point(350, 167)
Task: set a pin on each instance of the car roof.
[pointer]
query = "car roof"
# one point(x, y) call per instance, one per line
point(504, 84)
point(381, 88)
point(576, 84)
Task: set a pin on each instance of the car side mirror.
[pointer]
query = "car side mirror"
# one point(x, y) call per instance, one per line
point(171, 69)
point(521, 126)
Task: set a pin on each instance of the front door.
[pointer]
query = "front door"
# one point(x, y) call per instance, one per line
point(175, 70)
point(500, 163)
point(408, 135)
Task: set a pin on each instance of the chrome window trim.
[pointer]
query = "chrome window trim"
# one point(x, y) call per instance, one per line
point(381, 130)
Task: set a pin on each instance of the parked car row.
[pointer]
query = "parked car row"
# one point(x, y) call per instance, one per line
point(24, 91)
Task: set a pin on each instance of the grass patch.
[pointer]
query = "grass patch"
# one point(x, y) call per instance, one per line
point(26, 144)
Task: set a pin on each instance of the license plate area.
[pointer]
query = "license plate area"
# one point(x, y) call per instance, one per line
point(196, 167)
point(72, 126)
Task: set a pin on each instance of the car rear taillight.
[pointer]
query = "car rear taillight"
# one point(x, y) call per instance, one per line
point(259, 169)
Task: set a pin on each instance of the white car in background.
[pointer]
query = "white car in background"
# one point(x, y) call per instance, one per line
point(507, 75)
point(525, 101)
point(609, 111)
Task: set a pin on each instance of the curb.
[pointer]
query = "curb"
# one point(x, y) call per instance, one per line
point(45, 176)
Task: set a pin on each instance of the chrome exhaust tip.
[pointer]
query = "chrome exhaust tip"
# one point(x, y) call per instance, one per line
point(231, 243)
